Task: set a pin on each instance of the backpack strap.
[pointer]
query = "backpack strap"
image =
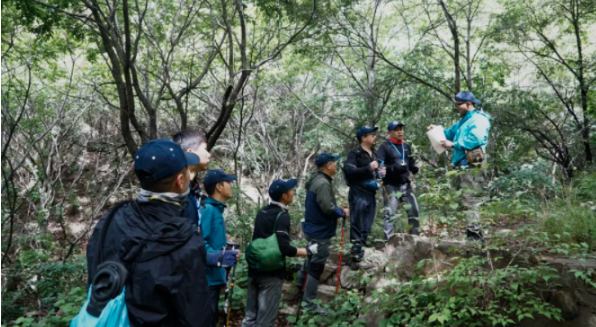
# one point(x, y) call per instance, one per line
point(200, 205)
point(276, 218)
point(104, 230)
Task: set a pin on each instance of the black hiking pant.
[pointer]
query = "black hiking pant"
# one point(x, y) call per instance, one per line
point(363, 207)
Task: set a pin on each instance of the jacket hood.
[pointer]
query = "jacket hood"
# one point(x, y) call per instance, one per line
point(470, 114)
point(154, 229)
point(484, 114)
point(316, 176)
point(215, 203)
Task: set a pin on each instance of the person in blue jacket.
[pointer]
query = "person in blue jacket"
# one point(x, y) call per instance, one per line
point(218, 186)
point(470, 133)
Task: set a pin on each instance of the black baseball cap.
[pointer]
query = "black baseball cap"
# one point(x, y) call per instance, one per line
point(365, 130)
point(161, 158)
point(217, 175)
point(394, 124)
point(279, 187)
point(324, 158)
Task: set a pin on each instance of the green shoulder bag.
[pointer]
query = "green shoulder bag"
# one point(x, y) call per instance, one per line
point(263, 254)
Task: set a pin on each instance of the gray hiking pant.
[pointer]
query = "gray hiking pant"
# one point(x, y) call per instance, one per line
point(407, 197)
point(471, 180)
point(262, 301)
point(313, 266)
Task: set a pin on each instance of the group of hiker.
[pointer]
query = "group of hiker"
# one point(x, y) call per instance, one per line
point(167, 250)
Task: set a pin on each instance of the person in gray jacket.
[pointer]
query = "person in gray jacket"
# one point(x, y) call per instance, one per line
point(321, 215)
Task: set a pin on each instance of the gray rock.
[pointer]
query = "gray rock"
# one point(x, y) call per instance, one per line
point(567, 303)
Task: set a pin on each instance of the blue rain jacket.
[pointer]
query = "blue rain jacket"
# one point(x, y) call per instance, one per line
point(469, 133)
point(214, 234)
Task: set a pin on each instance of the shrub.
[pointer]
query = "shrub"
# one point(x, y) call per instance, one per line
point(469, 295)
point(570, 219)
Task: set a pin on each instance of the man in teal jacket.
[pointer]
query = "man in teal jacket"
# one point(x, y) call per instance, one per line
point(218, 186)
point(469, 133)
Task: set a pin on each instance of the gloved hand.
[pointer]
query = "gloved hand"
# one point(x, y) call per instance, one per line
point(415, 170)
point(312, 248)
point(228, 258)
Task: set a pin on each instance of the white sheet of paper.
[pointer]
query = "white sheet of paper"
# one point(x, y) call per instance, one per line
point(436, 135)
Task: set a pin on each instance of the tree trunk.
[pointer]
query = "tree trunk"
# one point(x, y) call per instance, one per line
point(453, 29)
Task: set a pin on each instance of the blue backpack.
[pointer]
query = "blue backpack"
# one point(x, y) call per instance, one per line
point(105, 305)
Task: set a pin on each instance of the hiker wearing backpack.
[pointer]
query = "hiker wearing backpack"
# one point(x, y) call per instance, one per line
point(266, 256)
point(218, 186)
point(468, 139)
point(320, 224)
point(160, 249)
point(361, 170)
point(398, 160)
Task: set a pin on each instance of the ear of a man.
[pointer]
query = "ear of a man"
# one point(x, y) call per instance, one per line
point(220, 187)
point(179, 181)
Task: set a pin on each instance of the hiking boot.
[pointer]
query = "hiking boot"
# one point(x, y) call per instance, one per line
point(474, 234)
point(415, 225)
point(316, 310)
point(360, 265)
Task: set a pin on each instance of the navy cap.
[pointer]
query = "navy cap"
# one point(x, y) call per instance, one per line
point(365, 130)
point(217, 175)
point(161, 158)
point(324, 158)
point(466, 96)
point(279, 187)
point(394, 124)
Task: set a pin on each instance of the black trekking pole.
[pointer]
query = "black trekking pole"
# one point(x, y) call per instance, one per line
point(230, 286)
point(301, 296)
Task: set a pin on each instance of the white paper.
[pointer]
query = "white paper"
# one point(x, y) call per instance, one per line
point(436, 135)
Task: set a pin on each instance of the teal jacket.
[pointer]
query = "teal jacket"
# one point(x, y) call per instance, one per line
point(213, 229)
point(469, 133)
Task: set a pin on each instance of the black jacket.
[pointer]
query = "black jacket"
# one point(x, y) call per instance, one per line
point(357, 169)
point(264, 226)
point(165, 258)
point(397, 174)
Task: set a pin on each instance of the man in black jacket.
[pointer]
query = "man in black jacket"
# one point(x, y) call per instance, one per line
point(264, 288)
point(399, 162)
point(360, 169)
point(161, 249)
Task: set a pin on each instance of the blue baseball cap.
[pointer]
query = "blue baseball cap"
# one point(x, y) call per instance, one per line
point(365, 130)
point(279, 187)
point(161, 158)
point(466, 96)
point(217, 175)
point(324, 158)
point(394, 124)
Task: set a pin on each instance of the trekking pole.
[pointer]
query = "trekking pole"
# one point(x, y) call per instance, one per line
point(341, 251)
point(230, 287)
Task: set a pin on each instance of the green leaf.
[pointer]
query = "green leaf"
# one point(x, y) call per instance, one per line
point(454, 205)
point(433, 317)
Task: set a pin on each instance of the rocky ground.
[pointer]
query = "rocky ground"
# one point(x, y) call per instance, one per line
point(400, 255)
